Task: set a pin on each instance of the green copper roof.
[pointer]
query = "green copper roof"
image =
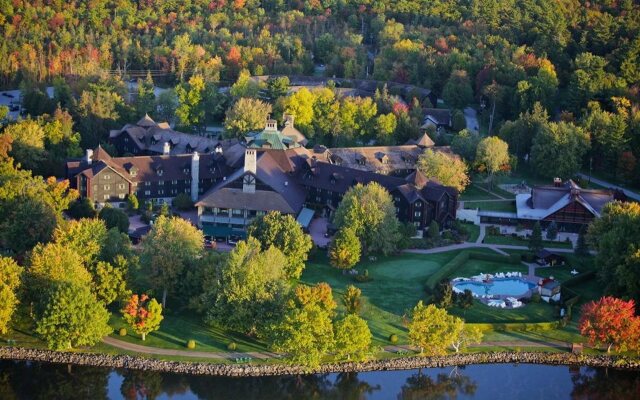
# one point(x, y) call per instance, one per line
point(270, 139)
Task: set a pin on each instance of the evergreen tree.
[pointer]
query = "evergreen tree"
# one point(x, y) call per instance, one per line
point(552, 231)
point(535, 242)
point(582, 248)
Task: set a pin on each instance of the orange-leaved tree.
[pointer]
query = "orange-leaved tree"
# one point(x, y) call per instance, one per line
point(611, 322)
point(143, 314)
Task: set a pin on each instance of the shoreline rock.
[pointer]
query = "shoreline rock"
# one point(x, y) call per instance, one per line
point(249, 370)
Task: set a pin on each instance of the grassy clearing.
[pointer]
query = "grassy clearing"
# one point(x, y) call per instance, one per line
point(504, 206)
point(177, 328)
point(473, 230)
point(396, 286)
point(475, 193)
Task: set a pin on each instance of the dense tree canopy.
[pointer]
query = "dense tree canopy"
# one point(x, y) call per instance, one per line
point(283, 232)
point(370, 212)
point(446, 169)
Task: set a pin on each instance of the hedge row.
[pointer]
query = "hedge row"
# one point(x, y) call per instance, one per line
point(585, 276)
point(459, 260)
point(518, 326)
point(447, 269)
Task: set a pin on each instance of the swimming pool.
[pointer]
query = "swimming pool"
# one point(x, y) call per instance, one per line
point(505, 287)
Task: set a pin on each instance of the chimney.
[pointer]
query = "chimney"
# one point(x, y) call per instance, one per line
point(195, 176)
point(557, 182)
point(272, 125)
point(250, 161)
point(166, 149)
point(218, 149)
point(288, 120)
point(89, 156)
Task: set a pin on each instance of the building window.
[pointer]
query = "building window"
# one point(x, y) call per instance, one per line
point(126, 140)
point(416, 224)
point(147, 192)
point(120, 185)
point(174, 182)
point(159, 172)
point(161, 183)
point(237, 212)
point(147, 183)
point(160, 191)
point(122, 195)
point(417, 214)
point(106, 197)
point(107, 176)
point(107, 187)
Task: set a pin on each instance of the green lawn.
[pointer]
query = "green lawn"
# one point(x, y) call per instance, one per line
point(473, 230)
point(481, 313)
point(397, 285)
point(474, 267)
point(504, 206)
point(473, 192)
point(516, 241)
point(177, 328)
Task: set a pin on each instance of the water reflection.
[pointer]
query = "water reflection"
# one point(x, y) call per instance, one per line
point(23, 380)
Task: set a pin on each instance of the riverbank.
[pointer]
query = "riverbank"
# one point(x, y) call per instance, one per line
point(240, 370)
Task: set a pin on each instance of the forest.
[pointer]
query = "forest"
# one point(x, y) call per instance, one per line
point(524, 65)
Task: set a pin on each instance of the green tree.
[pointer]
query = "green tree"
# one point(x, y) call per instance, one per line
point(465, 143)
point(385, 126)
point(519, 134)
point(250, 288)
point(283, 232)
point(432, 329)
point(10, 279)
point(172, 245)
point(277, 87)
point(82, 208)
point(109, 282)
point(300, 105)
point(535, 241)
point(55, 263)
point(608, 136)
point(352, 338)
point(552, 231)
point(305, 334)
point(146, 99)
point(166, 105)
point(443, 294)
point(246, 115)
point(558, 149)
point(71, 316)
point(458, 121)
point(434, 229)
point(85, 237)
point(344, 251)
point(468, 335)
point(183, 202)
point(582, 247)
point(114, 218)
point(132, 202)
point(142, 314)
point(244, 86)
point(447, 169)
point(457, 92)
point(190, 111)
point(370, 211)
point(615, 237)
point(492, 156)
point(352, 300)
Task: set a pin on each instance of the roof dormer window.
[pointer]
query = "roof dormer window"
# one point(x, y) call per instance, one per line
point(159, 171)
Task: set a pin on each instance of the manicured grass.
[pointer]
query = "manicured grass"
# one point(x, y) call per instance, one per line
point(473, 192)
point(177, 328)
point(474, 267)
point(397, 285)
point(473, 230)
point(504, 206)
point(517, 241)
point(481, 313)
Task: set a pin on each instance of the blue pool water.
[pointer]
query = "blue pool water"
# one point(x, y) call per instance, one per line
point(509, 287)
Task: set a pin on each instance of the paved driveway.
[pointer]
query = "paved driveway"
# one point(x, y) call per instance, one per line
point(471, 117)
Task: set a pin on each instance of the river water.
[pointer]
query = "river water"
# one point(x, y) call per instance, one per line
point(24, 380)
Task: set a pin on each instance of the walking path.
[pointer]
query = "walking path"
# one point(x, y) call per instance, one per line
point(483, 232)
point(495, 247)
point(627, 192)
point(267, 355)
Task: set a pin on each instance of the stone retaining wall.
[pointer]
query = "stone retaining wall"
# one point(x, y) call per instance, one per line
point(199, 368)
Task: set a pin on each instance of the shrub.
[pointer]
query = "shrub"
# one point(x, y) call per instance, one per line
point(232, 346)
point(363, 277)
point(122, 332)
point(393, 338)
point(191, 344)
point(535, 298)
point(183, 202)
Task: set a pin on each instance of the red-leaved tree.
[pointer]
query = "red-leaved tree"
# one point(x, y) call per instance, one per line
point(143, 314)
point(611, 322)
